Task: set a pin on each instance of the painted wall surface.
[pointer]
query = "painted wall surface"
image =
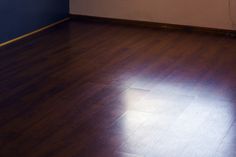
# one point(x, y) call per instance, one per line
point(203, 13)
point(19, 17)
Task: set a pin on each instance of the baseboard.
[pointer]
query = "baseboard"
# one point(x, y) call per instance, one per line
point(34, 32)
point(231, 33)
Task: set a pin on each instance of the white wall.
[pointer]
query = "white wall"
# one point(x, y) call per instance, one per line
point(204, 13)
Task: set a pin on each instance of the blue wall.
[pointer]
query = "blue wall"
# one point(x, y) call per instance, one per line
point(18, 17)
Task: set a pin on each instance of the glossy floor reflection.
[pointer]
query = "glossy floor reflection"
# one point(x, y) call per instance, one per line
point(86, 89)
point(164, 123)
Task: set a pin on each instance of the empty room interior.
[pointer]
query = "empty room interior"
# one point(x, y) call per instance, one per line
point(118, 78)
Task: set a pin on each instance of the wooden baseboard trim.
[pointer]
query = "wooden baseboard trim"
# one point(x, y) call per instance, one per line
point(34, 32)
point(231, 33)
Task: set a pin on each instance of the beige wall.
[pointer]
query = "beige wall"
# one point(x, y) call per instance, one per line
point(204, 13)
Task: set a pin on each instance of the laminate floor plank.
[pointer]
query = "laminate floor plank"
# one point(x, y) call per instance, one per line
point(95, 89)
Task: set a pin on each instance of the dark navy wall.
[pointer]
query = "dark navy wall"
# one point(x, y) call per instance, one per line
point(18, 17)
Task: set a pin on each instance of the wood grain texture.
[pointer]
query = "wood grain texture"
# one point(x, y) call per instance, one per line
point(103, 90)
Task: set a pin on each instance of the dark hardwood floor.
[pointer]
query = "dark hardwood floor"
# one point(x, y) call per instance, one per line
point(86, 89)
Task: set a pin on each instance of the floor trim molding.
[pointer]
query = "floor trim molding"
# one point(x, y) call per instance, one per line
point(231, 33)
point(33, 32)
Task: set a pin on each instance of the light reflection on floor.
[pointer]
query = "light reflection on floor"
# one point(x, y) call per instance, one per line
point(170, 121)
